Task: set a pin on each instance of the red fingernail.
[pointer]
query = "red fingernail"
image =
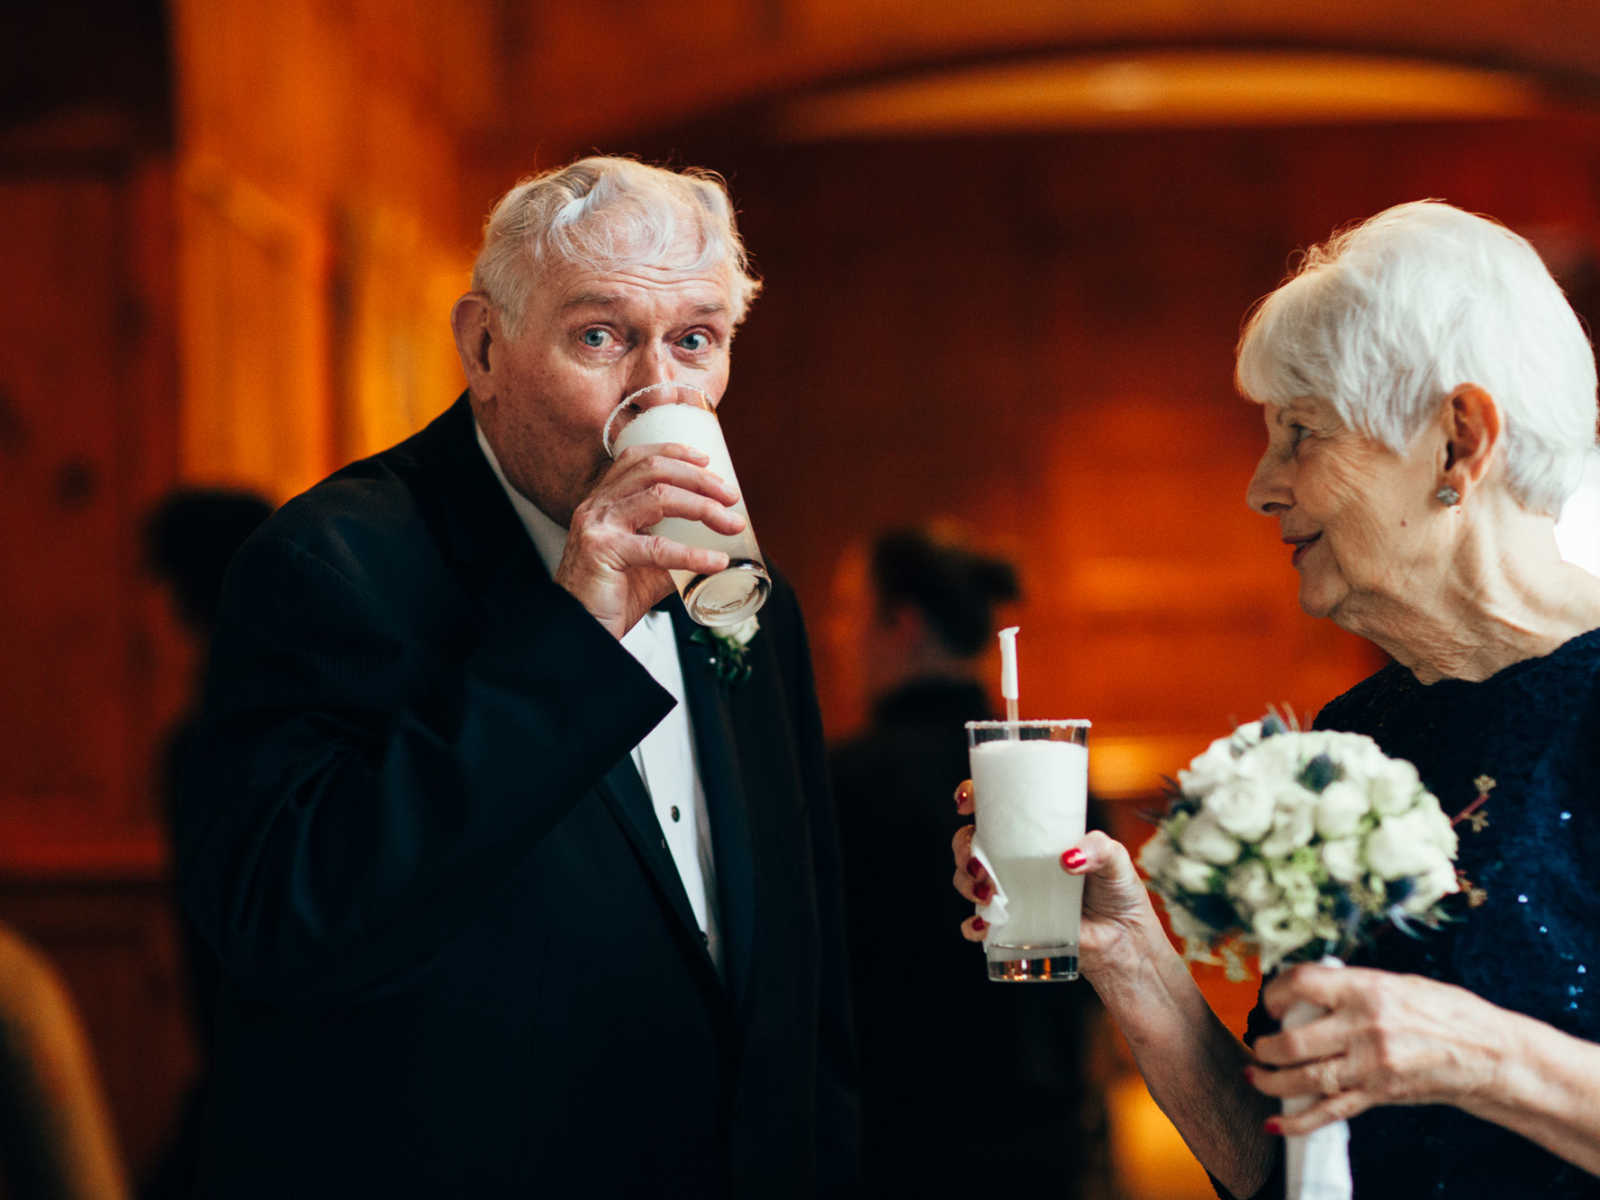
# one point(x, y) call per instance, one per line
point(974, 867)
point(1250, 1074)
point(979, 923)
point(1273, 1125)
point(984, 890)
point(1073, 859)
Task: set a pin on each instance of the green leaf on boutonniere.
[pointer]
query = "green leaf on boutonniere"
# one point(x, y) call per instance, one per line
point(729, 649)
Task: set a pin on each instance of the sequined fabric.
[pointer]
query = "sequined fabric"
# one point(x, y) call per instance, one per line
point(1529, 739)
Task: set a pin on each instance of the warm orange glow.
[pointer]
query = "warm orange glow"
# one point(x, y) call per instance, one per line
point(1162, 88)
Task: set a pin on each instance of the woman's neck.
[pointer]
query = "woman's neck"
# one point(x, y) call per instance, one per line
point(1501, 596)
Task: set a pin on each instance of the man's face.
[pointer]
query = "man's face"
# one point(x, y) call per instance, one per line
point(588, 339)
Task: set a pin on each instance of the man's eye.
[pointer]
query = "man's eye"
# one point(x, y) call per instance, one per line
point(595, 338)
point(695, 342)
point(1297, 433)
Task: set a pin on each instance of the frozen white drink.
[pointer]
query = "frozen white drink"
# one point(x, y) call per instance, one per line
point(683, 414)
point(1030, 783)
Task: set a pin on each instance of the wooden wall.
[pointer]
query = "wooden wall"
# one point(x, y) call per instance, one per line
point(1031, 335)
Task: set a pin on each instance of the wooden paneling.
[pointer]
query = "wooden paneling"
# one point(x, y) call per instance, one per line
point(1034, 336)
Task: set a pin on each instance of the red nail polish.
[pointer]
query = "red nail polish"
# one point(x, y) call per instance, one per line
point(984, 889)
point(1250, 1074)
point(1273, 1125)
point(974, 867)
point(1073, 859)
point(979, 924)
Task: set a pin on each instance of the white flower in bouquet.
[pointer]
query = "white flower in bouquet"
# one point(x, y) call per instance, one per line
point(1297, 845)
point(1341, 810)
point(1204, 838)
point(1243, 807)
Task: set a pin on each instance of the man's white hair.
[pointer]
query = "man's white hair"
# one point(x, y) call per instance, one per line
point(608, 213)
point(1387, 318)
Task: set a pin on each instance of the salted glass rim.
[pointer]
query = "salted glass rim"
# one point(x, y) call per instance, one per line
point(1068, 723)
point(626, 401)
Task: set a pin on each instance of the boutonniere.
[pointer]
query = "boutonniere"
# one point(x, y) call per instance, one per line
point(730, 649)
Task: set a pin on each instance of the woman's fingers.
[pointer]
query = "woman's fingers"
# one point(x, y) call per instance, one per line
point(970, 879)
point(1340, 1107)
point(974, 928)
point(964, 795)
point(1322, 1038)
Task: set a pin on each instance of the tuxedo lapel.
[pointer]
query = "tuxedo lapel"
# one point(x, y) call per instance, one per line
point(721, 773)
point(628, 800)
point(487, 544)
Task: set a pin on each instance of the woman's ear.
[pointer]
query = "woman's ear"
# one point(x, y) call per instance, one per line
point(1472, 431)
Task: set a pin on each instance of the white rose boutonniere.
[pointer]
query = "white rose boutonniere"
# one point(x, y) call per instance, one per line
point(730, 648)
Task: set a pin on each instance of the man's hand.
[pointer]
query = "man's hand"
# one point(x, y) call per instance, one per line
point(617, 571)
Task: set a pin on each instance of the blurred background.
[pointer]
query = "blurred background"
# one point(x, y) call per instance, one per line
point(1007, 249)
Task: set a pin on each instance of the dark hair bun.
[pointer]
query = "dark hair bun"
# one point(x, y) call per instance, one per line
point(954, 588)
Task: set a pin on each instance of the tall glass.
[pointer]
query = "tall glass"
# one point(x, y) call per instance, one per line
point(1031, 787)
point(680, 412)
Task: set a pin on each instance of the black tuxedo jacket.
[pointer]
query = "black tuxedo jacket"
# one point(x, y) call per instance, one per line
point(457, 957)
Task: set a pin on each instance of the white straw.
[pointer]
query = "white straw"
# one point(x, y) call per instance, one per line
point(1008, 672)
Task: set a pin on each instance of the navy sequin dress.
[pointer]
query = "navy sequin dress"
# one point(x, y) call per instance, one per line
point(1533, 944)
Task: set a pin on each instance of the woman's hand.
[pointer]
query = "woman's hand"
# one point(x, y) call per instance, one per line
point(1115, 902)
point(1387, 1039)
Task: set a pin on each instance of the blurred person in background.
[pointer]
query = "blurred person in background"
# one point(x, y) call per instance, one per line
point(929, 618)
point(56, 1140)
point(513, 891)
point(1429, 400)
point(189, 538)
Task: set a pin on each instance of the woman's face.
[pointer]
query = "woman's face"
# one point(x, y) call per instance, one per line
point(1353, 511)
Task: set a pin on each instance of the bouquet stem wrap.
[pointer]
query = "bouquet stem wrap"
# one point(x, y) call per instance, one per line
point(1317, 1164)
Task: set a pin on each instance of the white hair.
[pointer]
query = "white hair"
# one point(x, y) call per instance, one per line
point(1389, 317)
point(608, 213)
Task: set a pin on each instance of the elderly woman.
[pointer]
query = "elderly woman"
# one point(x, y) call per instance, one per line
point(1429, 400)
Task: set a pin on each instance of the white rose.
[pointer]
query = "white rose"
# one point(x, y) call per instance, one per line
point(1204, 838)
point(1156, 854)
point(742, 632)
point(1274, 761)
point(1439, 832)
point(1342, 858)
point(1432, 887)
point(1293, 823)
point(1243, 807)
point(1207, 770)
point(1278, 932)
point(1252, 887)
point(1340, 807)
point(1190, 874)
point(1393, 786)
point(1403, 846)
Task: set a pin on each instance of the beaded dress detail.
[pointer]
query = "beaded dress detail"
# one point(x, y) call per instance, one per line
point(1525, 934)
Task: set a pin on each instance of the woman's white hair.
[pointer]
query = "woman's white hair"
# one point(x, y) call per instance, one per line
point(608, 213)
point(1387, 318)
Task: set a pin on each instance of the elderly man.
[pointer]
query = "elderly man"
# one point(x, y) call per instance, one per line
point(513, 894)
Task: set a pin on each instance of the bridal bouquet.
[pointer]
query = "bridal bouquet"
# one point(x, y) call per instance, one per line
point(1299, 846)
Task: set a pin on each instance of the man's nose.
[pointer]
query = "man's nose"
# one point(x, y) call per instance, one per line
point(652, 365)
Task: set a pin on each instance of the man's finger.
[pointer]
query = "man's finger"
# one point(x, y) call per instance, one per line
point(636, 474)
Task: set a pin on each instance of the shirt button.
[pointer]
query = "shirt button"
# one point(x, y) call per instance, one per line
point(675, 813)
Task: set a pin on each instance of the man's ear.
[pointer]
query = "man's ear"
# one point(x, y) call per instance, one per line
point(472, 320)
point(1472, 431)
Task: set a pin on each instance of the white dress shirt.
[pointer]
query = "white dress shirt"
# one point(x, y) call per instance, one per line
point(666, 758)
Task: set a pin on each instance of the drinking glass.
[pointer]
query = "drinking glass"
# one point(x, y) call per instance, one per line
point(1030, 787)
point(680, 412)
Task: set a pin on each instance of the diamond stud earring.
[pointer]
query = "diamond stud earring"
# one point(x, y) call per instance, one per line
point(1447, 496)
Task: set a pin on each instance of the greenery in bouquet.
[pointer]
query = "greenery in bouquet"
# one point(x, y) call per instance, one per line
point(1297, 844)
